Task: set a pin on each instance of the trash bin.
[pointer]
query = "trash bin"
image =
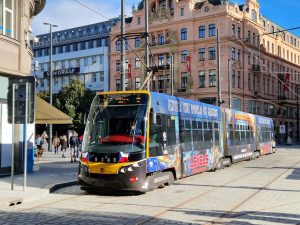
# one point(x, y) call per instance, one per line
point(30, 160)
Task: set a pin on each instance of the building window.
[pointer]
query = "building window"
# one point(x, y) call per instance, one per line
point(233, 54)
point(161, 39)
point(202, 32)
point(211, 30)
point(118, 65)
point(7, 18)
point(118, 45)
point(212, 78)
point(249, 82)
point(82, 45)
point(202, 79)
point(212, 53)
point(233, 29)
point(139, 20)
point(184, 34)
point(94, 77)
point(90, 44)
point(233, 78)
point(239, 79)
point(239, 32)
point(183, 55)
point(236, 104)
point(137, 42)
point(86, 61)
point(239, 55)
point(161, 59)
point(56, 81)
point(160, 82)
point(118, 84)
point(183, 80)
point(181, 11)
point(201, 54)
point(137, 83)
point(137, 62)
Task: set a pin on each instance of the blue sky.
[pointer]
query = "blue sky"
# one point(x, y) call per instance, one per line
point(68, 13)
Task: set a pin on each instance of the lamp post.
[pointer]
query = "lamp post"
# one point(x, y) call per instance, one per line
point(50, 82)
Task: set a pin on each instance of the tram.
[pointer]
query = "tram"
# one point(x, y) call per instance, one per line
point(140, 140)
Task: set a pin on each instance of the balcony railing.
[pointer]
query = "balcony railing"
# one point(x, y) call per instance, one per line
point(255, 68)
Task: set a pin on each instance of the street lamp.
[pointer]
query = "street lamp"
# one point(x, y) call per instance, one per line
point(50, 82)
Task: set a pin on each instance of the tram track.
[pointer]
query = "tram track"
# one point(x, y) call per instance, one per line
point(156, 216)
point(228, 214)
point(194, 198)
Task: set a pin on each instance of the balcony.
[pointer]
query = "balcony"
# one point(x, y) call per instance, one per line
point(255, 68)
point(180, 90)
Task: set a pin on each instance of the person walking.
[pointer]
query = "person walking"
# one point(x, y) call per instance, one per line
point(63, 144)
point(74, 144)
point(56, 144)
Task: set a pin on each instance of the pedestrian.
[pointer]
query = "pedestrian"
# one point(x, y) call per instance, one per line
point(39, 141)
point(63, 144)
point(56, 144)
point(74, 144)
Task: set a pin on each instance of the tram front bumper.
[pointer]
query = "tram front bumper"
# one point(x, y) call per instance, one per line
point(128, 181)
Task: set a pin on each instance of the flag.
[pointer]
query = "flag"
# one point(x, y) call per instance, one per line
point(129, 71)
point(286, 81)
point(188, 64)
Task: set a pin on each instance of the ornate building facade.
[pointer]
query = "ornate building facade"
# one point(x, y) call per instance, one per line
point(258, 58)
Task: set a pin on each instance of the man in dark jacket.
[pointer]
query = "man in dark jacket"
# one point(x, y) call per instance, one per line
point(74, 146)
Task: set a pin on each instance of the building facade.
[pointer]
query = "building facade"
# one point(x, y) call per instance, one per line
point(78, 53)
point(259, 62)
point(15, 60)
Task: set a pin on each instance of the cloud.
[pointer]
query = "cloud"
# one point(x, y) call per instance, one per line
point(68, 13)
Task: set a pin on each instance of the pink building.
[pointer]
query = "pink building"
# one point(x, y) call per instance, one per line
point(258, 60)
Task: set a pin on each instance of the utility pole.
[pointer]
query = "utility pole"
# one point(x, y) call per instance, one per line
point(172, 72)
point(50, 82)
point(219, 98)
point(123, 45)
point(229, 83)
point(298, 126)
point(147, 41)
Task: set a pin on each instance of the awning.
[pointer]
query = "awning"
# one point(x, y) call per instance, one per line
point(48, 114)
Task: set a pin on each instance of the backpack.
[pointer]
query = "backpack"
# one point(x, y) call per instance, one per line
point(72, 140)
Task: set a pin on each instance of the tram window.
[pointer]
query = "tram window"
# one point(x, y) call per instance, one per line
point(194, 125)
point(237, 137)
point(243, 137)
point(200, 125)
point(188, 124)
point(204, 125)
point(197, 136)
point(216, 125)
point(171, 133)
point(216, 133)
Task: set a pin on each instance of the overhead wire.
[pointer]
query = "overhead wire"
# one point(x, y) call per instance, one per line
point(91, 9)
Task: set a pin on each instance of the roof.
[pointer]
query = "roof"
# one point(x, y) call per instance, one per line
point(48, 114)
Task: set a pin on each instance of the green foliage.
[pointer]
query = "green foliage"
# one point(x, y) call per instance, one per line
point(75, 101)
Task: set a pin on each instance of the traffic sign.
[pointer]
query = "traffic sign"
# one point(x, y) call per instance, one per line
point(282, 129)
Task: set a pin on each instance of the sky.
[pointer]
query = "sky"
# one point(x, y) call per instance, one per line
point(69, 13)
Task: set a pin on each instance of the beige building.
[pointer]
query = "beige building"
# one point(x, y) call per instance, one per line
point(254, 56)
point(15, 60)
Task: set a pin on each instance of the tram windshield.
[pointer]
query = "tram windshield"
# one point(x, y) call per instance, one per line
point(116, 123)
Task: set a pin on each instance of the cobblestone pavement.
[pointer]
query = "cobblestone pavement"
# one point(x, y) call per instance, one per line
point(261, 191)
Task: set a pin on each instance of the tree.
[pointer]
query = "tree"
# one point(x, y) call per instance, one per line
point(75, 101)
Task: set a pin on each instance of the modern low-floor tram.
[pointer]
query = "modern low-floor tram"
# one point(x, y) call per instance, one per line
point(140, 140)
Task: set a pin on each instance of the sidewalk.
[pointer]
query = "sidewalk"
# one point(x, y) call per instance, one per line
point(50, 173)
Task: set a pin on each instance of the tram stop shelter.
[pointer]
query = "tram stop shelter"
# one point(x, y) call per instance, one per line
point(48, 114)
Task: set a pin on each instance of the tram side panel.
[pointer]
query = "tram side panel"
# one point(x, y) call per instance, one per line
point(240, 127)
point(264, 131)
